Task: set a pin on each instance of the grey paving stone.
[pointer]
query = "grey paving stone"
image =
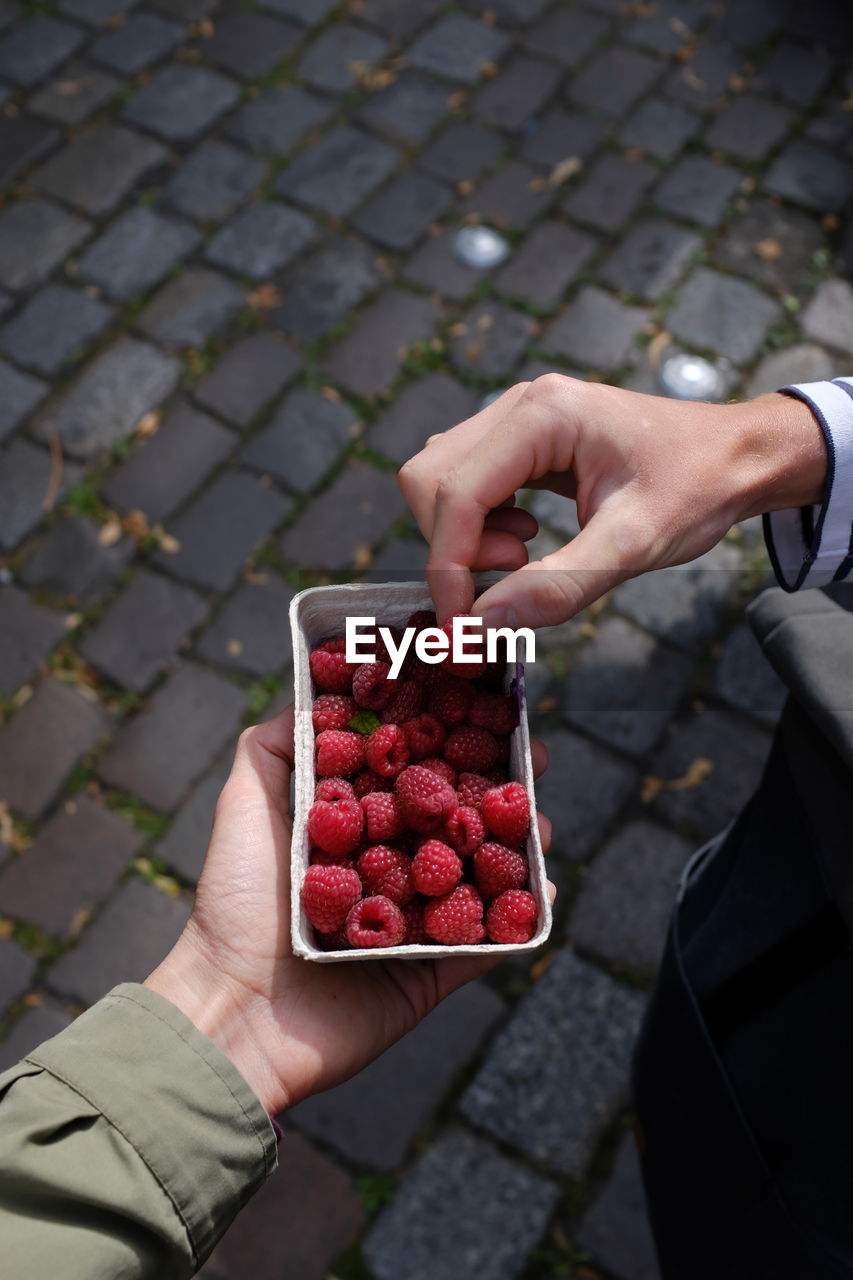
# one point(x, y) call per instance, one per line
point(25, 476)
point(494, 338)
point(560, 134)
point(698, 189)
point(544, 266)
point(651, 258)
point(407, 110)
point(27, 633)
point(17, 968)
point(796, 73)
point(624, 687)
point(434, 266)
point(810, 176)
point(523, 88)
point(615, 1231)
point(248, 44)
point(174, 739)
point(331, 62)
point(260, 240)
point(73, 864)
point(660, 127)
point(19, 393)
point(354, 512)
point(737, 751)
point(373, 1119)
point(595, 330)
point(511, 197)
point(42, 742)
point(326, 287)
point(277, 119)
point(833, 128)
point(555, 511)
point(253, 632)
point(135, 252)
point(462, 1200)
point(337, 173)
point(750, 127)
point(367, 361)
point(55, 325)
point(41, 1023)
point(184, 10)
point(221, 529)
point(214, 180)
point(567, 35)
point(129, 938)
point(99, 168)
point(614, 79)
point(724, 315)
point(803, 362)
point(745, 679)
point(456, 48)
point(68, 560)
point(250, 375)
point(35, 236)
point(624, 906)
point(143, 39)
point(95, 12)
point(400, 560)
point(703, 81)
point(400, 18)
point(610, 192)
point(752, 22)
point(515, 13)
point(432, 404)
point(306, 435)
point(308, 12)
point(143, 629)
point(557, 1074)
point(103, 406)
point(401, 213)
point(829, 316)
point(685, 605)
point(667, 28)
point(74, 95)
point(35, 48)
point(191, 307)
point(582, 792)
point(181, 101)
point(797, 235)
point(9, 12)
point(23, 141)
point(184, 846)
point(461, 152)
point(165, 469)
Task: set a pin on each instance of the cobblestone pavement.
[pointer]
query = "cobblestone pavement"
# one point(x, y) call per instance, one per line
point(229, 310)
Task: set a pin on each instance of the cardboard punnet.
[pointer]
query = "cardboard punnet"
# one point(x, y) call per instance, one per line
point(315, 615)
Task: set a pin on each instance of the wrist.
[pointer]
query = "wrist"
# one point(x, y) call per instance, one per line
point(782, 457)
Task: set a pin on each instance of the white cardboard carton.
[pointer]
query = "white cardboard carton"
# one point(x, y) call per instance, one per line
point(315, 615)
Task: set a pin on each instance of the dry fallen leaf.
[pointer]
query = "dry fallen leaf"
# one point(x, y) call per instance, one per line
point(770, 250)
point(136, 524)
point(465, 186)
point(110, 531)
point(257, 578)
point(79, 920)
point(264, 298)
point(149, 424)
point(657, 346)
point(362, 559)
point(542, 965)
point(6, 929)
point(68, 88)
point(23, 695)
point(166, 541)
point(457, 330)
point(488, 70)
point(830, 222)
point(72, 620)
point(456, 100)
point(33, 999)
point(57, 466)
point(167, 885)
point(695, 774)
point(546, 704)
point(589, 630)
point(474, 350)
point(331, 394)
point(485, 322)
point(234, 648)
point(564, 170)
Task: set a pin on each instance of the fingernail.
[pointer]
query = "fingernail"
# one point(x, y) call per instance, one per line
point(499, 615)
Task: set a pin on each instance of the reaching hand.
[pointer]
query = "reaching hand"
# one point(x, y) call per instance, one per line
point(291, 1026)
point(657, 483)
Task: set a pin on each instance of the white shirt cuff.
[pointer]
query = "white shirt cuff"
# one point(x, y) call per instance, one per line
point(813, 546)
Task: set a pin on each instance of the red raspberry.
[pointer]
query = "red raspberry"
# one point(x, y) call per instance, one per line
point(382, 817)
point(436, 868)
point(498, 775)
point(456, 919)
point(470, 748)
point(465, 830)
point(512, 917)
point(387, 871)
point(337, 941)
point(503, 741)
point(413, 914)
point(497, 868)
point(425, 736)
point(409, 701)
point(332, 711)
point(319, 858)
point(495, 712)
point(336, 825)
point(375, 922)
point(328, 893)
point(371, 686)
point(426, 801)
point(366, 782)
point(474, 644)
point(333, 789)
point(339, 753)
point(330, 670)
point(506, 812)
point(436, 765)
point(421, 619)
point(387, 751)
point(380, 647)
point(471, 789)
point(450, 700)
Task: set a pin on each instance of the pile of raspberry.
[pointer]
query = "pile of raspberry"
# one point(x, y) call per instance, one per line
point(417, 831)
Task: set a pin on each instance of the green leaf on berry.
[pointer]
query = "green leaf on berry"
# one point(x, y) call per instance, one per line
point(365, 722)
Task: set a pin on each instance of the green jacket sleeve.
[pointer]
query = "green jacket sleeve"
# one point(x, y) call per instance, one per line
point(127, 1145)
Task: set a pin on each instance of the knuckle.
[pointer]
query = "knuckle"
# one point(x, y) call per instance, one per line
point(547, 387)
